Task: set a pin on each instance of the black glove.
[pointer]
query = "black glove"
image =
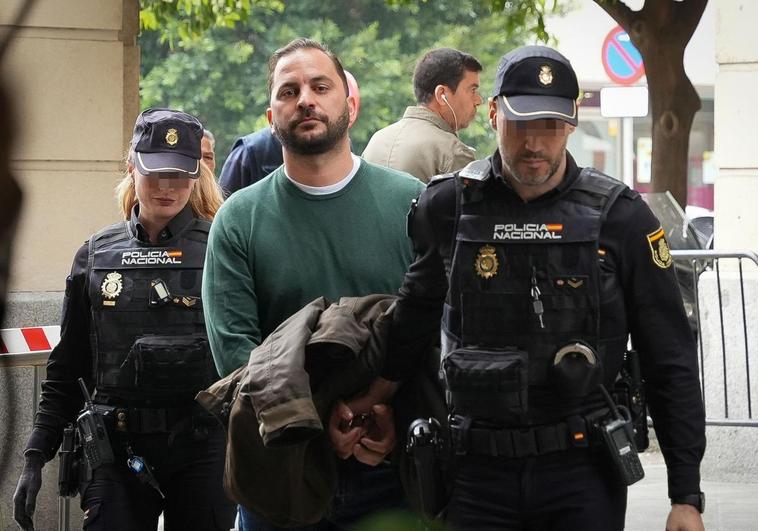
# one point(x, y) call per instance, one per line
point(25, 497)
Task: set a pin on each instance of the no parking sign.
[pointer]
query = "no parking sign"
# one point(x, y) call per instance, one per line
point(621, 60)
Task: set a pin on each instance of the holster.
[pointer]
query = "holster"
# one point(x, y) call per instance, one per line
point(69, 471)
point(629, 391)
point(425, 446)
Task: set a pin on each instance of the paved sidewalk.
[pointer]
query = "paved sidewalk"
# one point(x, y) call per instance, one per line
point(728, 506)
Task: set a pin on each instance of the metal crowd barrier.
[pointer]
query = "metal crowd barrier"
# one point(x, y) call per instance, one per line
point(37, 361)
point(724, 356)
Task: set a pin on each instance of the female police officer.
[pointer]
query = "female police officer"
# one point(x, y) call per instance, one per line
point(133, 330)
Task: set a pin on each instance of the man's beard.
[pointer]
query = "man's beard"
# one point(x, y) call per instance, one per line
point(314, 145)
point(509, 164)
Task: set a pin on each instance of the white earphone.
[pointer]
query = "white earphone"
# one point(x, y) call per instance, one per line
point(444, 98)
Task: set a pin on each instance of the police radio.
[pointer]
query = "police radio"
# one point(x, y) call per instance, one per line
point(618, 437)
point(93, 434)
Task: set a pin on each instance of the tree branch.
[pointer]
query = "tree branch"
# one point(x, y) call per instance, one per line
point(687, 16)
point(620, 12)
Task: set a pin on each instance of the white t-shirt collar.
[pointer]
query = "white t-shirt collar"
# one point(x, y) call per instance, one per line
point(330, 188)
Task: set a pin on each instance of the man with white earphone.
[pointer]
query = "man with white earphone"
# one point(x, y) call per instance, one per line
point(424, 142)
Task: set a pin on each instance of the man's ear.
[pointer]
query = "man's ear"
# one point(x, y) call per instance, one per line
point(352, 110)
point(492, 108)
point(439, 91)
point(269, 116)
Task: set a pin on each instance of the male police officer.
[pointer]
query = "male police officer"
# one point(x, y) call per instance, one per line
point(539, 271)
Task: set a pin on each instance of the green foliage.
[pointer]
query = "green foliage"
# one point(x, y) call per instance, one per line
point(527, 13)
point(221, 75)
point(189, 19)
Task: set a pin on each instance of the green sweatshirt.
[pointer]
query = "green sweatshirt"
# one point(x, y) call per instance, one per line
point(274, 248)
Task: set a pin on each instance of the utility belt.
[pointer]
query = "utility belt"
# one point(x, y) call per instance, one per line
point(146, 421)
point(468, 437)
point(488, 388)
point(435, 452)
point(436, 459)
point(90, 443)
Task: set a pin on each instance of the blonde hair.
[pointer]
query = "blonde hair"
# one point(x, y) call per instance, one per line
point(205, 199)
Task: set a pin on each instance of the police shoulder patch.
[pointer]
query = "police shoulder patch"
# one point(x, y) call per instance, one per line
point(659, 248)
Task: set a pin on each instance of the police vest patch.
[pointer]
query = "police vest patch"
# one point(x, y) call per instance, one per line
point(486, 262)
point(659, 249)
point(111, 288)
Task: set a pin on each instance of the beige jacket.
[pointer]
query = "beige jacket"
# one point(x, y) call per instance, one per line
point(421, 143)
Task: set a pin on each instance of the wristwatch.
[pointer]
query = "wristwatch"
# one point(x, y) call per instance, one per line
point(696, 500)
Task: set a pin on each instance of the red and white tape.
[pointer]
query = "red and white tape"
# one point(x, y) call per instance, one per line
point(33, 339)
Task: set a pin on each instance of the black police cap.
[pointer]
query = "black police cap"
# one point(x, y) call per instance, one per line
point(536, 82)
point(167, 141)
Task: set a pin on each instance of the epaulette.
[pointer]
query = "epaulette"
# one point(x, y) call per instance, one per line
point(116, 231)
point(596, 188)
point(202, 225)
point(604, 181)
point(441, 178)
point(478, 170)
point(630, 194)
point(198, 230)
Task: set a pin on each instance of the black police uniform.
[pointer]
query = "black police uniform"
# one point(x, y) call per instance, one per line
point(144, 351)
point(512, 282)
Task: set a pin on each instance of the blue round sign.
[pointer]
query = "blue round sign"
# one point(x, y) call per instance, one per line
point(621, 60)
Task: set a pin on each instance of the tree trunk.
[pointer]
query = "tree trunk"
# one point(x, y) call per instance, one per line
point(661, 31)
point(673, 102)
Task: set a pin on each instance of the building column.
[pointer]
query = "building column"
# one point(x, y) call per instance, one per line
point(730, 453)
point(73, 70)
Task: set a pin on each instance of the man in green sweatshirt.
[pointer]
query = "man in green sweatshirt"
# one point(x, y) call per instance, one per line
point(326, 223)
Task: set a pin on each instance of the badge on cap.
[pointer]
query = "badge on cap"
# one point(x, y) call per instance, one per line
point(486, 262)
point(659, 248)
point(172, 137)
point(546, 75)
point(111, 288)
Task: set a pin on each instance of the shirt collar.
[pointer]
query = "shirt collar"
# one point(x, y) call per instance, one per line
point(174, 227)
point(572, 172)
point(423, 113)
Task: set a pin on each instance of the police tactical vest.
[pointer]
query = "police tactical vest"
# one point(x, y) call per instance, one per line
point(524, 281)
point(148, 334)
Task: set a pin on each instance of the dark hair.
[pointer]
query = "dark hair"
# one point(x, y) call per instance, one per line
point(303, 44)
point(441, 66)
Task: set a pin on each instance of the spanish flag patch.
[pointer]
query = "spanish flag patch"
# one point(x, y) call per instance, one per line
point(659, 248)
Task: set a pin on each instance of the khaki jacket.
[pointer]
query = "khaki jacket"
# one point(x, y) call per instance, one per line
point(421, 143)
point(279, 460)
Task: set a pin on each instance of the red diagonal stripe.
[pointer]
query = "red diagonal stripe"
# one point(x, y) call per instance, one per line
point(625, 55)
point(36, 339)
point(3, 348)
